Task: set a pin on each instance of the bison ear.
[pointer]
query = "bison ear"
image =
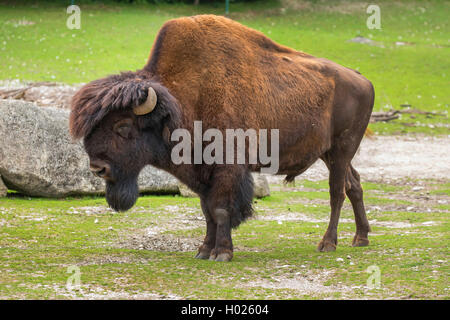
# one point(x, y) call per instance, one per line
point(148, 105)
point(166, 134)
point(164, 118)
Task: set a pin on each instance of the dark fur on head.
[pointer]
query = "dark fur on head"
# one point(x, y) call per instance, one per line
point(101, 104)
point(117, 92)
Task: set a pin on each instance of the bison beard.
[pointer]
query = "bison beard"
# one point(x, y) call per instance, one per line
point(122, 195)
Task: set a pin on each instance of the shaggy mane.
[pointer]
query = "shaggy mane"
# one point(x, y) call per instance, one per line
point(96, 99)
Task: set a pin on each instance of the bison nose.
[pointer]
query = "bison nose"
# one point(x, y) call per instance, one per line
point(101, 169)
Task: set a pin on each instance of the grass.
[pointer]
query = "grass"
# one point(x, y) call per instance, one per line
point(116, 37)
point(275, 255)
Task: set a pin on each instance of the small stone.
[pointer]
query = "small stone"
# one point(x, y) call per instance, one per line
point(260, 186)
point(339, 259)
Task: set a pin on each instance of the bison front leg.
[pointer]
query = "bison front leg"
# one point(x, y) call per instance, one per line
point(204, 251)
point(217, 244)
point(223, 251)
point(227, 203)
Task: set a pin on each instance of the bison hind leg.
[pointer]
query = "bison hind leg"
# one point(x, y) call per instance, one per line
point(354, 192)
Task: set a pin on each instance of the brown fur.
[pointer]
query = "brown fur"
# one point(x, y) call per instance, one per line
point(218, 71)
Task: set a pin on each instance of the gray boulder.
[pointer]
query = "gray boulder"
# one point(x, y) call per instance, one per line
point(3, 188)
point(185, 191)
point(39, 158)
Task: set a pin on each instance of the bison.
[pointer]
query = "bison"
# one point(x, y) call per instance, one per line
point(212, 69)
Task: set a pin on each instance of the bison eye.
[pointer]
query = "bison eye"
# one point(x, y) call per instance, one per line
point(123, 128)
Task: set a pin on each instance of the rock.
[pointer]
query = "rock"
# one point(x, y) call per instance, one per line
point(185, 191)
point(39, 158)
point(3, 188)
point(47, 94)
point(155, 181)
point(362, 40)
point(261, 187)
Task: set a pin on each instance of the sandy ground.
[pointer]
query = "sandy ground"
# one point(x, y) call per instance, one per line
point(393, 158)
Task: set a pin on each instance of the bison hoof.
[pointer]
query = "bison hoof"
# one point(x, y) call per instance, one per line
point(359, 241)
point(223, 257)
point(326, 246)
point(202, 255)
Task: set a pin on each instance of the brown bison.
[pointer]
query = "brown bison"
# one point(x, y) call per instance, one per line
point(212, 69)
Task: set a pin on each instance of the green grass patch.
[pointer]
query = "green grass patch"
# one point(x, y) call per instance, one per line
point(275, 253)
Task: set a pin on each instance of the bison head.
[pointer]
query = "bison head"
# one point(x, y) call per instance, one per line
point(126, 123)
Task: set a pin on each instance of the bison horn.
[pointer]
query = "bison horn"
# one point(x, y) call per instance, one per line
point(148, 105)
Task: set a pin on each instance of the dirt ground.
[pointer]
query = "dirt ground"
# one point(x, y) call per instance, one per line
point(393, 158)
